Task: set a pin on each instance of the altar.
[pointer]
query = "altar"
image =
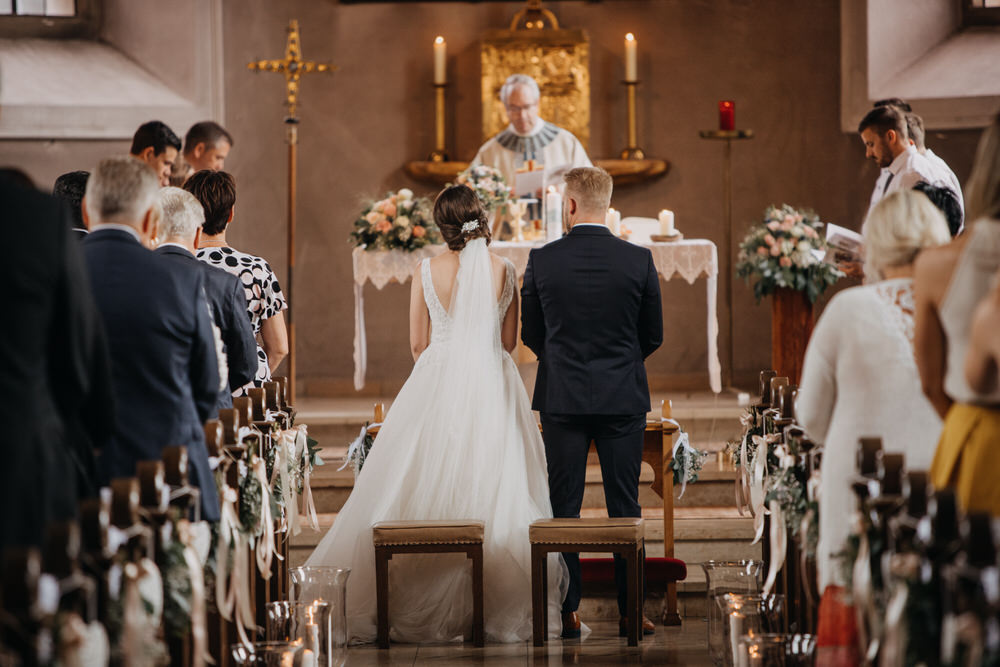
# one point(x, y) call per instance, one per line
point(689, 259)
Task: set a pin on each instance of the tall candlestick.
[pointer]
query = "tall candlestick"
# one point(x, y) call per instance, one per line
point(631, 68)
point(553, 214)
point(440, 58)
point(727, 113)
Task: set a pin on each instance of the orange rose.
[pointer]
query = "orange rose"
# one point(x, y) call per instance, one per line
point(419, 231)
point(389, 209)
point(383, 226)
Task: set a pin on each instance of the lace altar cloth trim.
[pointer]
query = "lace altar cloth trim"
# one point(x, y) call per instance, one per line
point(690, 259)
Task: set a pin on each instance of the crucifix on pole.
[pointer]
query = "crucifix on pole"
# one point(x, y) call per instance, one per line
point(293, 67)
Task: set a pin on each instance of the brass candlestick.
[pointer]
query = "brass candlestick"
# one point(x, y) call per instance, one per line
point(439, 154)
point(632, 150)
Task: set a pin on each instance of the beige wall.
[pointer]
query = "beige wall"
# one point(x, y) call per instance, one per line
point(778, 60)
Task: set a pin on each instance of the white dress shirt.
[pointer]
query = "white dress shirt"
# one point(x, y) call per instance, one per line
point(908, 169)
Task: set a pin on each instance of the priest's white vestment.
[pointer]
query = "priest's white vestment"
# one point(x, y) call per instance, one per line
point(552, 147)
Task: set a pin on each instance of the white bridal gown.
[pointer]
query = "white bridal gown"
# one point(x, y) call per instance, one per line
point(460, 442)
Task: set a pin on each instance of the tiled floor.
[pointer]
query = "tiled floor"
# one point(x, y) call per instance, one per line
point(668, 646)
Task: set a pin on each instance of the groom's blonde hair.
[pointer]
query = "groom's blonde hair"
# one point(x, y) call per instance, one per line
point(591, 188)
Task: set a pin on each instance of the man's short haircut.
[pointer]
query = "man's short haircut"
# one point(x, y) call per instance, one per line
point(156, 134)
point(591, 188)
point(883, 119)
point(70, 188)
point(122, 190)
point(216, 190)
point(181, 214)
point(894, 102)
point(515, 80)
point(206, 132)
point(947, 202)
point(915, 129)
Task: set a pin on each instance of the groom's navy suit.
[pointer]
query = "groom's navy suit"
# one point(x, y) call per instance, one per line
point(591, 312)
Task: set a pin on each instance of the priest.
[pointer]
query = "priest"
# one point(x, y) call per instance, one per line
point(529, 138)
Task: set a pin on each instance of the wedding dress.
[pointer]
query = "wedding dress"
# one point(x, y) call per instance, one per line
point(459, 442)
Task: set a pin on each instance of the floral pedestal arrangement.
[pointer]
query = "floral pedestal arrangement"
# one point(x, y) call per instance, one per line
point(784, 254)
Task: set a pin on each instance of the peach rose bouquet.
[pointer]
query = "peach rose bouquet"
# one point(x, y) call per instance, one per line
point(399, 220)
point(786, 249)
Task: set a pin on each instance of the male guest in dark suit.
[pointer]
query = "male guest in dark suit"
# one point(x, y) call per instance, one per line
point(182, 216)
point(55, 379)
point(591, 313)
point(70, 188)
point(159, 329)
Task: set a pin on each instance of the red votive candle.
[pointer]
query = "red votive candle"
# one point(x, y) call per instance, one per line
point(727, 111)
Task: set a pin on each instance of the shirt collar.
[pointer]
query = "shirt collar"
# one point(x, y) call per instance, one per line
point(589, 224)
point(901, 160)
point(117, 227)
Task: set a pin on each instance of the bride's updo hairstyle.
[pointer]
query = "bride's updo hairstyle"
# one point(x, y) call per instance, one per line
point(456, 209)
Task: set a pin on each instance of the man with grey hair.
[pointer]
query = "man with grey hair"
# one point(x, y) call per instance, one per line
point(528, 137)
point(164, 372)
point(180, 229)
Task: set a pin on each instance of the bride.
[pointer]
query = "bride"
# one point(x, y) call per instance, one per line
point(459, 442)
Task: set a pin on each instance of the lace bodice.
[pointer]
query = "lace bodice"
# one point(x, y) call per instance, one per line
point(440, 319)
point(897, 296)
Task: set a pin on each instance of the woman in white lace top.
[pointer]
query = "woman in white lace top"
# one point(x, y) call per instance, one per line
point(859, 377)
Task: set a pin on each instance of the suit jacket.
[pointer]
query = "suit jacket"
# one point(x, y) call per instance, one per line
point(591, 312)
point(228, 302)
point(55, 374)
point(166, 377)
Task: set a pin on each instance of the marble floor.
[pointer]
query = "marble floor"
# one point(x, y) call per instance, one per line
point(685, 645)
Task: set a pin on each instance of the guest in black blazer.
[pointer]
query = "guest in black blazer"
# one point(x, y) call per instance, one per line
point(159, 329)
point(180, 228)
point(55, 382)
point(591, 312)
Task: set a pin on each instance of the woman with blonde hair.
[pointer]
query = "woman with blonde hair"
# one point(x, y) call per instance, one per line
point(949, 283)
point(860, 379)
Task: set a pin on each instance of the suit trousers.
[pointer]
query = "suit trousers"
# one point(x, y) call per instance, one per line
point(618, 439)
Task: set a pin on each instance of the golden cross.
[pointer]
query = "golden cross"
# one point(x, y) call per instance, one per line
point(293, 67)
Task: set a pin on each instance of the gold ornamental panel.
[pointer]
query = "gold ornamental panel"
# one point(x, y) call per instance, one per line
point(559, 60)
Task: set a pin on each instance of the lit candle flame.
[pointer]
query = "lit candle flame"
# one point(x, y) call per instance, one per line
point(630, 37)
point(439, 40)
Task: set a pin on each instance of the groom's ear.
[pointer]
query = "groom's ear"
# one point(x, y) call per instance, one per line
point(571, 206)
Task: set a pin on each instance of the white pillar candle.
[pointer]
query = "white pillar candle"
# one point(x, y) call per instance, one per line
point(308, 658)
point(440, 58)
point(553, 214)
point(666, 223)
point(613, 220)
point(735, 632)
point(631, 67)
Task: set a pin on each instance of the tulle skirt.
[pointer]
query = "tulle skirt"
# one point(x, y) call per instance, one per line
point(437, 457)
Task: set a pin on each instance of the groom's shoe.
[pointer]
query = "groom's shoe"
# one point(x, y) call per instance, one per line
point(570, 625)
point(647, 627)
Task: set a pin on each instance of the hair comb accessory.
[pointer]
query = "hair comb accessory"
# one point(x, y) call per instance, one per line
point(470, 226)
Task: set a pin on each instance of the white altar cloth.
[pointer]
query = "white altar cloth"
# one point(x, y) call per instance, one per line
point(690, 259)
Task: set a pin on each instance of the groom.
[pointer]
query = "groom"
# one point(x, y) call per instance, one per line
point(591, 313)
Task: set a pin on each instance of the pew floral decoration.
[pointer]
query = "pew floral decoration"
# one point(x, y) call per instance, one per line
point(786, 249)
point(360, 447)
point(398, 221)
point(686, 461)
point(488, 184)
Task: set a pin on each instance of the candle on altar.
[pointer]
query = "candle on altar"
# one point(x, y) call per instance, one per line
point(553, 214)
point(308, 659)
point(613, 220)
point(666, 223)
point(631, 67)
point(727, 113)
point(440, 57)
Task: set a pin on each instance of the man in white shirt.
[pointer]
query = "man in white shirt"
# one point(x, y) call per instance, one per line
point(528, 137)
point(944, 174)
point(883, 131)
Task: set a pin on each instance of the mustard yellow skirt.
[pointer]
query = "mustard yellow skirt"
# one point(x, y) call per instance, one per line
point(968, 457)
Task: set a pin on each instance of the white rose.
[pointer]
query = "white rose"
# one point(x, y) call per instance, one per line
point(405, 194)
point(796, 231)
point(402, 221)
point(804, 247)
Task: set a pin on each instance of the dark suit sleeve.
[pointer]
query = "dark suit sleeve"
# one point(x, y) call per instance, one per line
point(650, 311)
point(241, 346)
point(204, 368)
point(532, 319)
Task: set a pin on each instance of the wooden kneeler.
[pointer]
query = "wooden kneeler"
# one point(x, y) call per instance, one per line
point(623, 536)
point(426, 537)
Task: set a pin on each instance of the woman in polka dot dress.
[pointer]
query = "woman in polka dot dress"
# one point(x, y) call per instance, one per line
point(216, 190)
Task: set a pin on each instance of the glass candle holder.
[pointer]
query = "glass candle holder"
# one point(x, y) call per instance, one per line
point(747, 614)
point(729, 576)
point(271, 654)
point(777, 650)
point(325, 584)
point(307, 623)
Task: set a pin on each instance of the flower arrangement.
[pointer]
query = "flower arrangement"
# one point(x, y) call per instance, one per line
point(488, 184)
point(399, 220)
point(785, 250)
